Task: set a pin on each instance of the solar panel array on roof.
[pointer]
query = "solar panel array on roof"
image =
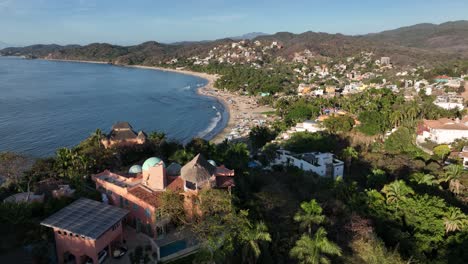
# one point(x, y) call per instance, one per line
point(86, 217)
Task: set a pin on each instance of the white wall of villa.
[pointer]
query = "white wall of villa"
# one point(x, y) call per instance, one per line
point(323, 164)
point(443, 136)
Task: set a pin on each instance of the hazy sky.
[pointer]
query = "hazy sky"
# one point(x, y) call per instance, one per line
point(134, 21)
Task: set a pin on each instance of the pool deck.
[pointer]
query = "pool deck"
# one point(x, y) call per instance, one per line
point(184, 234)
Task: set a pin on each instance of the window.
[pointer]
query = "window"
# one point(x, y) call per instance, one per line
point(190, 185)
point(58, 232)
point(135, 207)
point(126, 202)
point(148, 212)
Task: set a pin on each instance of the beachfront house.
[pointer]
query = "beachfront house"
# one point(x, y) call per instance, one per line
point(322, 164)
point(140, 190)
point(122, 134)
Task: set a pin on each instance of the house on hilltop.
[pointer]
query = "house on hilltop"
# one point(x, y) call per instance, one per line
point(86, 229)
point(140, 190)
point(323, 164)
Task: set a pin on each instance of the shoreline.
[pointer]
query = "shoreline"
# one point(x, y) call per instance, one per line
point(207, 90)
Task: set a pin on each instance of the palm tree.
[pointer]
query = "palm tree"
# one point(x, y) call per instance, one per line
point(310, 214)
point(311, 251)
point(455, 220)
point(396, 117)
point(349, 154)
point(452, 175)
point(396, 192)
point(412, 111)
point(423, 178)
point(252, 239)
point(97, 136)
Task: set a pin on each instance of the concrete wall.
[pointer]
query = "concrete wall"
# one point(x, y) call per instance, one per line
point(320, 169)
point(82, 247)
point(445, 136)
point(135, 213)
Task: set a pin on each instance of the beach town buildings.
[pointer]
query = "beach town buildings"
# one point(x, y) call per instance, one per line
point(140, 190)
point(443, 131)
point(385, 61)
point(450, 101)
point(464, 156)
point(86, 230)
point(122, 134)
point(323, 164)
point(306, 126)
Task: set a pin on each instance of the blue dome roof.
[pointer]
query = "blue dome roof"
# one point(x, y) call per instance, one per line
point(135, 169)
point(212, 162)
point(151, 162)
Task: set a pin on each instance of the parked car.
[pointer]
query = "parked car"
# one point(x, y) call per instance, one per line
point(101, 257)
point(119, 252)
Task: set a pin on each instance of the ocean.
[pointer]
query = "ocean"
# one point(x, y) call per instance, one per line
point(45, 105)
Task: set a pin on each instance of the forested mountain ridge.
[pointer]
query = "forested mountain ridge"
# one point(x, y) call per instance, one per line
point(422, 43)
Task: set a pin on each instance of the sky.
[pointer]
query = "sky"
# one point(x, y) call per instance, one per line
point(128, 22)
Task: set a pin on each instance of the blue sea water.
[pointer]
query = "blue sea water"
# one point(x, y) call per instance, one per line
point(45, 105)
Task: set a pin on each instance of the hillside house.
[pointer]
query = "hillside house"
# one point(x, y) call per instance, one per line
point(85, 228)
point(443, 131)
point(323, 164)
point(450, 101)
point(140, 190)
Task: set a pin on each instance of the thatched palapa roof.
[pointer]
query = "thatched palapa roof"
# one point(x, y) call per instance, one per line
point(197, 170)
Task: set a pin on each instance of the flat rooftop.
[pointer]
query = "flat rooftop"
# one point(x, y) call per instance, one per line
point(123, 181)
point(86, 217)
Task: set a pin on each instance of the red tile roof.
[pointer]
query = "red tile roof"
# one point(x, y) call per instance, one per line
point(446, 123)
point(175, 183)
point(153, 198)
point(150, 197)
point(224, 182)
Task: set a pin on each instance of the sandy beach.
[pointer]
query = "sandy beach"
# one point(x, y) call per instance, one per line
point(244, 112)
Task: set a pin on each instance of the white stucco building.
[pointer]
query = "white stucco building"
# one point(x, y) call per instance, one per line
point(323, 164)
point(450, 102)
point(306, 126)
point(464, 156)
point(444, 130)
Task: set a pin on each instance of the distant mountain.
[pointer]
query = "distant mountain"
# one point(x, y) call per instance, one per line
point(446, 37)
point(249, 36)
point(422, 43)
point(38, 50)
point(4, 45)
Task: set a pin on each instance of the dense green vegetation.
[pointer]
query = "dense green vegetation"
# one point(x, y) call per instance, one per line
point(395, 203)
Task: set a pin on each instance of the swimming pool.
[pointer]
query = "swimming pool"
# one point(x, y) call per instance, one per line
point(172, 248)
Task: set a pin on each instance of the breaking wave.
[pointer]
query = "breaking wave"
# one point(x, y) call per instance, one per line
point(213, 123)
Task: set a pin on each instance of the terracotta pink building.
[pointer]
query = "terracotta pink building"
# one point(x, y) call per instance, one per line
point(140, 189)
point(85, 228)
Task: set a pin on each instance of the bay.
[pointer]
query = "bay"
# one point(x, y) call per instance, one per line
point(45, 105)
